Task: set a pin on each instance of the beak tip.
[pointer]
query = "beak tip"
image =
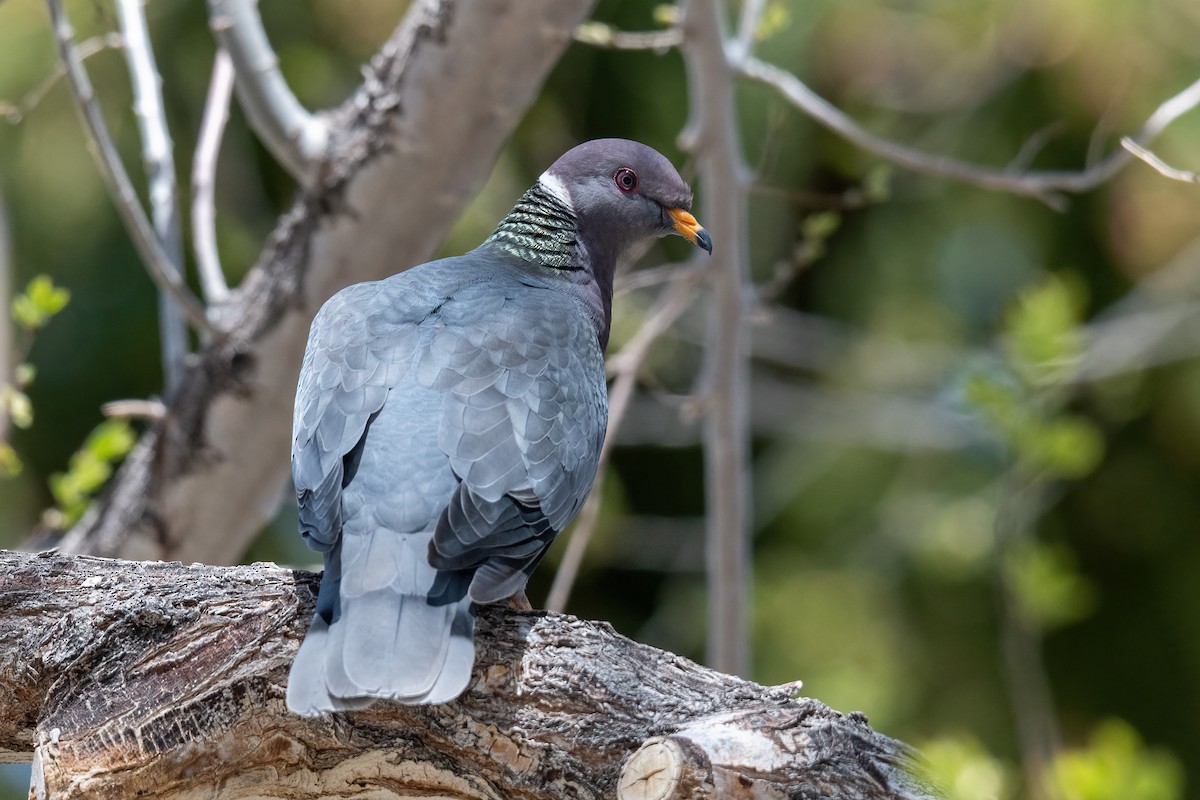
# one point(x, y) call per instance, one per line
point(704, 240)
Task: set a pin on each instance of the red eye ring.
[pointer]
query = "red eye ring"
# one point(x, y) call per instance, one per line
point(626, 179)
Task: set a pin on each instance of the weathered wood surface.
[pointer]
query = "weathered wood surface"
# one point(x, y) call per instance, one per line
point(126, 679)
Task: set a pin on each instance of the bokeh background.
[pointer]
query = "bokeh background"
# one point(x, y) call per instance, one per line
point(963, 527)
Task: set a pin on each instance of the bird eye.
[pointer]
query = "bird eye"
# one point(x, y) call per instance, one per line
point(626, 179)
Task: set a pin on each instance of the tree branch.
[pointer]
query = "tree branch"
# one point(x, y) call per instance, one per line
point(713, 137)
point(160, 174)
point(14, 113)
point(1156, 163)
point(1043, 185)
point(204, 169)
point(155, 258)
point(129, 678)
point(297, 138)
point(599, 34)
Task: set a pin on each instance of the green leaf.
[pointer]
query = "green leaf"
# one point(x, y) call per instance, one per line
point(24, 374)
point(1068, 447)
point(40, 301)
point(1046, 584)
point(1042, 332)
point(89, 468)
point(16, 405)
point(10, 462)
point(111, 440)
point(1116, 765)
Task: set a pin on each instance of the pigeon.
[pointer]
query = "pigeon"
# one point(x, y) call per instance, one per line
point(448, 424)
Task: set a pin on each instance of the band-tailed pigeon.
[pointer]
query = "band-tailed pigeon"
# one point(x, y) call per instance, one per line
point(448, 423)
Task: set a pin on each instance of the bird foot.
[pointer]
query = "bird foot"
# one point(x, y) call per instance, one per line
point(520, 601)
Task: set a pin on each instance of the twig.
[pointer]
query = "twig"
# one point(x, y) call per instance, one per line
point(87, 49)
point(1163, 168)
point(1044, 185)
point(296, 137)
point(672, 302)
point(752, 11)
point(157, 262)
point(599, 34)
point(135, 409)
point(1034, 145)
point(712, 136)
point(204, 168)
point(160, 176)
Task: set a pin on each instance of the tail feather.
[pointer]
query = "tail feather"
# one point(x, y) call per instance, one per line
point(395, 644)
point(410, 638)
point(307, 691)
point(460, 657)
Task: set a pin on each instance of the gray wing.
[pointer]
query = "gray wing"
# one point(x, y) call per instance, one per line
point(524, 420)
point(358, 347)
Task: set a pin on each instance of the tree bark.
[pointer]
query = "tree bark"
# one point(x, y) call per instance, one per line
point(125, 679)
point(407, 152)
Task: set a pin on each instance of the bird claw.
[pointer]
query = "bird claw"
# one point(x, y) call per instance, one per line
point(520, 601)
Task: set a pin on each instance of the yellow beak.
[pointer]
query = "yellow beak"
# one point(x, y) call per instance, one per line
point(690, 229)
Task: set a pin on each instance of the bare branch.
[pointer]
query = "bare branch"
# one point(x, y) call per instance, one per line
point(97, 44)
point(204, 168)
point(748, 21)
point(672, 302)
point(160, 175)
point(711, 134)
point(135, 409)
point(599, 34)
point(296, 137)
point(1163, 168)
point(157, 262)
point(1045, 185)
point(1036, 143)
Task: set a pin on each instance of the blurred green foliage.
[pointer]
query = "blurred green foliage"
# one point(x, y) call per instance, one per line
point(1117, 765)
point(30, 311)
point(876, 548)
point(88, 470)
point(40, 301)
point(964, 769)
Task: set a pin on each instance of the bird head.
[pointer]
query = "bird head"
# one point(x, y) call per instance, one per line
point(623, 193)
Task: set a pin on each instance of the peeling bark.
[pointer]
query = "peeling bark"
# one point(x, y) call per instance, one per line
point(407, 152)
point(124, 679)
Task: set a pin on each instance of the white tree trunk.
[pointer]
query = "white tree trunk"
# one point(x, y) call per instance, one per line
point(126, 679)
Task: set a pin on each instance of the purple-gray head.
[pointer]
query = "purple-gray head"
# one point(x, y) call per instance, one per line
point(623, 191)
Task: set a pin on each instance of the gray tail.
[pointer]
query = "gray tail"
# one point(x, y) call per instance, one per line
point(388, 626)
